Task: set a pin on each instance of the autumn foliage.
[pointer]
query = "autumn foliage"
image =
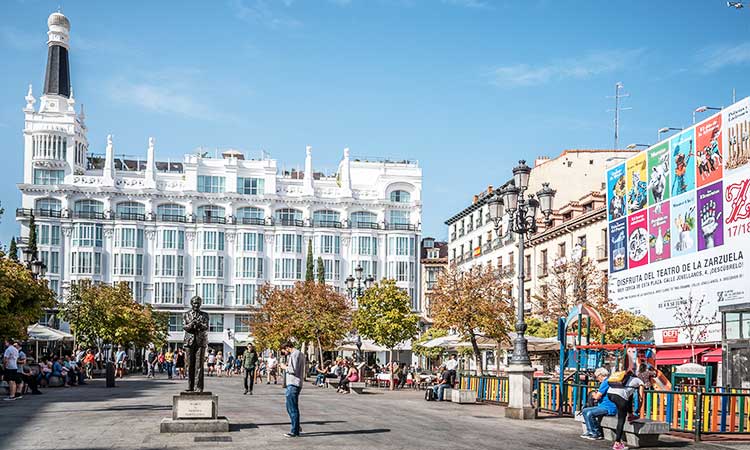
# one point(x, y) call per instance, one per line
point(22, 298)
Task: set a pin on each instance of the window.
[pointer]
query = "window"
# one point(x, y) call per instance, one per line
point(87, 235)
point(212, 293)
point(582, 244)
point(209, 266)
point(169, 293)
point(527, 265)
point(326, 218)
point(170, 211)
point(432, 276)
point(250, 242)
point(331, 269)
point(561, 250)
point(401, 270)
point(365, 245)
point(48, 205)
point(212, 240)
point(244, 294)
point(401, 246)
point(175, 322)
point(400, 197)
point(130, 209)
point(288, 268)
point(123, 264)
point(173, 239)
point(88, 207)
point(250, 215)
point(47, 176)
point(248, 267)
point(85, 263)
point(399, 217)
point(369, 268)
point(211, 212)
point(289, 243)
point(53, 264)
point(544, 261)
point(216, 323)
point(128, 238)
point(250, 186)
point(362, 219)
point(210, 184)
point(288, 216)
point(329, 245)
point(168, 265)
point(241, 323)
point(136, 290)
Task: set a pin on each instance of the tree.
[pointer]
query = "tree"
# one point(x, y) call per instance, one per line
point(23, 299)
point(13, 250)
point(572, 282)
point(384, 315)
point(32, 247)
point(541, 328)
point(623, 325)
point(473, 302)
point(693, 321)
point(309, 273)
point(321, 271)
point(431, 353)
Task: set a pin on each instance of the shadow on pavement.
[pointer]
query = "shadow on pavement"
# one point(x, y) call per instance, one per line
point(311, 422)
point(345, 432)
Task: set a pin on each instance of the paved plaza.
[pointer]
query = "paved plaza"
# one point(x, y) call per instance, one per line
point(128, 416)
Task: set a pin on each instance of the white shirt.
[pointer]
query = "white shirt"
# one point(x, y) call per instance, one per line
point(211, 358)
point(272, 362)
point(627, 391)
point(451, 364)
point(11, 353)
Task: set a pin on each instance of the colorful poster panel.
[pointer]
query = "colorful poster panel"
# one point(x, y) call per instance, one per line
point(710, 212)
point(638, 239)
point(616, 192)
point(658, 173)
point(636, 179)
point(683, 230)
point(682, 149)
point(618, 246)
point(737, 135)
point(659, 232)
point(709, 158)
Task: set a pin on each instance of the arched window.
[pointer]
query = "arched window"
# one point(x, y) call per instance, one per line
point(250, 215)
point(171, 212)
point(289, 216)
point(211, 214)
point(48, 207)
point(131, 210)
point(400, 196)
point(87, 208)
point(364, 219)
point(326, 218)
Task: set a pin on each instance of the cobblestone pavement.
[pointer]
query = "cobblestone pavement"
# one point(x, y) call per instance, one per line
point(128, 416)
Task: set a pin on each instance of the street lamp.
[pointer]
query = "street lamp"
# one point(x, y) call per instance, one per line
point(356, 291)
point(359, 348)
point(701, 109)
point(660, 131)
point(521, 209)
point(36, 267)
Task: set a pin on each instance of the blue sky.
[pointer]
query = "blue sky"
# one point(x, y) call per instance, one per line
point(467, 87)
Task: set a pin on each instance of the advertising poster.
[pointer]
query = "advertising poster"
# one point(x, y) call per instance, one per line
point(658, 173)
point(709, 156)
point(710, 213)
point(682, 161)
point(618, 246)
point(683, 234)
point(638, 239)
point(616, 192)
point(659, 232)
point(635, 177)
point(736, 120)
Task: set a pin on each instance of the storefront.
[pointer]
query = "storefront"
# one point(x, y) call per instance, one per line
point(735, 339)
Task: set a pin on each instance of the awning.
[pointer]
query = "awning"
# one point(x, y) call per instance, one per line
point(38, 332)
point(712, 356)
point(677, 356)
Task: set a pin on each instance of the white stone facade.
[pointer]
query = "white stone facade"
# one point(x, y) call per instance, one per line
point(215, 227)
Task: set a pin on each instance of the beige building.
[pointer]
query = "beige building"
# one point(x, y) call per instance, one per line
point(433, 260)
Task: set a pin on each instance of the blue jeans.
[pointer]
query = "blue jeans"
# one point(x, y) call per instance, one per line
point(292, 407)
point(439, 391)
point(592, 417)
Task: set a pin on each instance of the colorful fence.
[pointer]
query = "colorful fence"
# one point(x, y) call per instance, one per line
point(720, 411)
point(488, 389)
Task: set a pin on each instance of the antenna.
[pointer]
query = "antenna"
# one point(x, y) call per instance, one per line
point(618, 95)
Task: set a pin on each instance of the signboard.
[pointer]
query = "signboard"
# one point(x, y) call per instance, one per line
point(679, 223)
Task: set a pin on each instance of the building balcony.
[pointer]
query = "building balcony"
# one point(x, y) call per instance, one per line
point(467, 256)
point(460, 258)
point(470, 227)
point(88, 215)
point(211, 219)
point(507, 271)
point(366, 225)
point(487, 247)
point(26, 212)
point(131, 216)
point(453, 236)
point(479, 222)
point(601, 252)
point(290, 222)
point(172, 218)
point(542, 270)
point(527, 274)
point(461, 232)
point(326, 224)
point(252, 221)
point(401, 226)
point(430, 285)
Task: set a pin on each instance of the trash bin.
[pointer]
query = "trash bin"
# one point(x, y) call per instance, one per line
point(110, 374)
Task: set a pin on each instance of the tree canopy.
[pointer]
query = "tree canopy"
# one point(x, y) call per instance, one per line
point(23, 299)
point(384, 315)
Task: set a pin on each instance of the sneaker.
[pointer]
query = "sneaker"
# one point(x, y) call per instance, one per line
point(290, 435)
point(9, 399)
point(245, 393)
point(597, 437)
point(19, 396)
point(586, 436)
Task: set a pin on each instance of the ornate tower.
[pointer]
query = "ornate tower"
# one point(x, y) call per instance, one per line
point(54, 135)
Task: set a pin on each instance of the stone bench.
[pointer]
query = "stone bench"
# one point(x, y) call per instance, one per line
point(55, 381)
point(638, 433)
point(357, 387)
point(448, 395)
point(462, 396)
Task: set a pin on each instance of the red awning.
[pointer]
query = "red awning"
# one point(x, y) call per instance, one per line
point(677, 356)
point(712, 356)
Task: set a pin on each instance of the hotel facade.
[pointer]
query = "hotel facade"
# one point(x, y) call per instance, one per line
point(214, 227)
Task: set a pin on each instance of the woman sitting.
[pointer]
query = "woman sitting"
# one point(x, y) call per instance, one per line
point(321, 373)
point(352, 376)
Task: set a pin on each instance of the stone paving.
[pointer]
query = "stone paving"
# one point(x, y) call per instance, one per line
point(128, 416)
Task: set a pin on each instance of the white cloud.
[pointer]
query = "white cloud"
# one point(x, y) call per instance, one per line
point(264, 12)
point(720, 56)
point(586, 66)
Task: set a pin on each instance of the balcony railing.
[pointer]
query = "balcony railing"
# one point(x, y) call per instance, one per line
point(27, 212)
point(507, 271)
point(461, 232)
point(211, 219)
point(542, 270)
point(467, 256)
point(131, 216)
point(172, 218)
point(290, 222)
point(487, 247)
point(470, 226)
point(366, 225)
point(601, 253)
point(88, 215)
point(326, 224)
point(453, 236)
point(252, 221)
point(460, 258)
point(402, 226)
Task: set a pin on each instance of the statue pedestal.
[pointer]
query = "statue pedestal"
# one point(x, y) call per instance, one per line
point(520, 386)
point(195, 412)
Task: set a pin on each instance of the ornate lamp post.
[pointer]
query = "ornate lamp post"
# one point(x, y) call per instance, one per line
point(355, 292)
point(35, 266)
point(521, 210)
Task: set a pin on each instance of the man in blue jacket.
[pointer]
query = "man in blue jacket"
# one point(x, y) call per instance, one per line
point(592, 416)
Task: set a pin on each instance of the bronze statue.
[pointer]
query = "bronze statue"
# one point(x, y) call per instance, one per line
point(195, 324)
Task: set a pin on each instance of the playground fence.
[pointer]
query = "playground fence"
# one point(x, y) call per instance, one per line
point(488, 388)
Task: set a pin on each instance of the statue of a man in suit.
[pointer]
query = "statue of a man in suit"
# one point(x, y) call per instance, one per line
point(195, 324)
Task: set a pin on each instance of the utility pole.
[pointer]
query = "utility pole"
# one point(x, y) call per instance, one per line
point(618, 95)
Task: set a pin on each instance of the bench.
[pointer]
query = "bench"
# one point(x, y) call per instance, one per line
point(448, 395)
point(357, 387)
point(462, 396)
point(638, 433)
point(55, 381)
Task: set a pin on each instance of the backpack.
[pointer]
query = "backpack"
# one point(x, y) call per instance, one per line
point(429, 395)
point(620, 380)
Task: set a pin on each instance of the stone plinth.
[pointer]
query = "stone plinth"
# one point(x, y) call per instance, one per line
point(463, 396)
point(195, 412)
point(520, 385)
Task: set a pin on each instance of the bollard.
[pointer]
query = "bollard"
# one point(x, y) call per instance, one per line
point(110, 374)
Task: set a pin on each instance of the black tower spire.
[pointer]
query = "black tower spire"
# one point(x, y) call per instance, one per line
point(57, 76)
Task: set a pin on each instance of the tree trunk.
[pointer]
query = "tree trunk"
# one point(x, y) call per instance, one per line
point(391, 370)
point(320, 352)
point(477, 354)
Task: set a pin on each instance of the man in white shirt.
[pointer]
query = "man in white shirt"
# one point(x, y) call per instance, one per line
point(10, 363)
point(271, 369)
point(451, 365)
point(294, 374)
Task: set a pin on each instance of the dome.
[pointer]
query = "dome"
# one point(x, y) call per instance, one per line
point(59, 20)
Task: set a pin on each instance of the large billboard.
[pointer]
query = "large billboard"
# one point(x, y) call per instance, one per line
point(679, 223)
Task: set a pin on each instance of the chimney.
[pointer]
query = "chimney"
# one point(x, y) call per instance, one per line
point(489, 189)
point(476, 199)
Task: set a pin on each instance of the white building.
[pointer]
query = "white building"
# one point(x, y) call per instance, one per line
point(214, 227)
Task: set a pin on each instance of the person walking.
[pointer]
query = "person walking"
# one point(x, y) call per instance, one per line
point(10, 365)
point(293, 374)
point(120, 360)
point(169, 362)
point(180, 363)
point(271, 369)
point(151, 360)
point(249, 362)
